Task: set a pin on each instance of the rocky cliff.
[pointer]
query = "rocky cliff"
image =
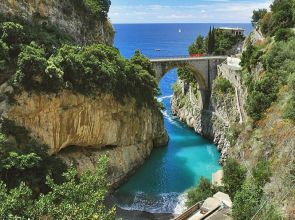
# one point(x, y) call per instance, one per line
point(66, 15)
point(79, 128)
point(212, 123)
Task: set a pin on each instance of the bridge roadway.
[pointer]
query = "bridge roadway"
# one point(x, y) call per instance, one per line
point(185, 58)
point(203, 68)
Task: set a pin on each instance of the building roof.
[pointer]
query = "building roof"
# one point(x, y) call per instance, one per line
point(223, 198)
point(210, 204)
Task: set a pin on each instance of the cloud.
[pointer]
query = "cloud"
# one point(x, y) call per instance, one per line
point(212, 11)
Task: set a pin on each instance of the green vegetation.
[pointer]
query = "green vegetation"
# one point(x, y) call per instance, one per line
point(74, 198)
point(284, 34)
point(281, 17)
point(279, 64)
point(258, 15)
point(83, 69)
point(247, 201)
point(216, 42)
point(25, 160)
point(234, 176)
point(261, 94)
point(250, 57)
point(188, 76)
point(262, 172)
point(34, 184)
point(198, 46)
point(225, 41)
point(98, 8)
point(222, 85)
point(289, 112)
point(204, 190)
point(42, 59)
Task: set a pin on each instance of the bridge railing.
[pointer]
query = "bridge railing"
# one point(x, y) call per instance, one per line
point(168, 57)
point(184, 56)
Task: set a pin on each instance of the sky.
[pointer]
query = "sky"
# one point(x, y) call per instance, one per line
point(184, 11)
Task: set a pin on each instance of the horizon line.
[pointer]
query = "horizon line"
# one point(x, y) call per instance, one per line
point(188, 23)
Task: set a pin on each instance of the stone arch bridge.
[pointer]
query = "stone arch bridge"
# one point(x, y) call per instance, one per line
point(204, 69)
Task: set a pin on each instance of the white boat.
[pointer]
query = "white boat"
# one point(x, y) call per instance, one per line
point(157, 49)
point(179, 30)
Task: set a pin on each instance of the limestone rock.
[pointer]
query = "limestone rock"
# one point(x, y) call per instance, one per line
point(63, 14)
point(79, 129)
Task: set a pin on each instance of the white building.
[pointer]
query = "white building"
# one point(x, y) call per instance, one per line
point(235, 31)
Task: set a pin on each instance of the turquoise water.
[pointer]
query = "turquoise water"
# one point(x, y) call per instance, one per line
point(158, 185)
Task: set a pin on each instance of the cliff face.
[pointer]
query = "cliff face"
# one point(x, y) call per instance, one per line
point(79, 129)
point(68, 17)
point(213, 123)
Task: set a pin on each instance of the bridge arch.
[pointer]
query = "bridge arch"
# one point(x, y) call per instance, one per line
point(202, 85)
point(203, 68)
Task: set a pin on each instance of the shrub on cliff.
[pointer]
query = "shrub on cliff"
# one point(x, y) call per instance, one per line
point(4, 57)
point(260, 96)
point(258, 14)
point(250, 57)
point(289, 111)
point(198, 47)
point(31, 67)
point(262, 172)
point(75, 198)
point(13, 35)
point(246, 201)
point(101, 68)
point(279, 64)
point(189, 77)
point(98, 8)
point(87, 70)
point(25, 160)
point(284, 34)
point(281, 16)
point(223, 85)
point(204, 190)
point(234, 176)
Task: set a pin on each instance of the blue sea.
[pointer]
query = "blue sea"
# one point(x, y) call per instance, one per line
point(159, 186)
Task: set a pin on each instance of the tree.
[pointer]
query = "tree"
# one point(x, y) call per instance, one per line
point(213, 33)
point(246, 201)
point(201, 192)
point(4, 57)
point(144, 62)
point(98, 7)
point(16, 202)
point(282, 15)
point(258, 15)
point(13, 35)
point(289, 112)
point(262, 172)
point(77, 197)
point(265, 23)
point(198, 46)
point(210, 42)
point(31, 67)
point(234, 176)
point(284, 34)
